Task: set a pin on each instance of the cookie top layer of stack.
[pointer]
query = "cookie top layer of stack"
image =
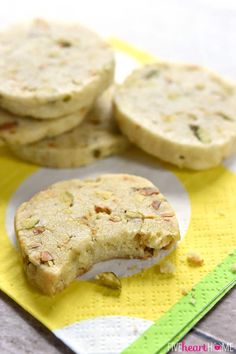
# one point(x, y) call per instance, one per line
point(49, 70)
point(181, 113)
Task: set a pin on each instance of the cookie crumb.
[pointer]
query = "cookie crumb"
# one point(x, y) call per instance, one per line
point(192, 301)
point(195, 259)
point(184, 292)
point(233, 268)
point(167, 267)
point(132, 267)
point(135, 330)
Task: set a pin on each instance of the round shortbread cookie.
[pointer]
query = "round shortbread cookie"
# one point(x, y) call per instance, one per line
point(97, 137)
point(50, 69)
point(65, 229)
point(180, 113)
point(17, 130)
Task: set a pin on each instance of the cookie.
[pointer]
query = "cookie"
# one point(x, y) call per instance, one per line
point(97, 137)
point(64, 230)
point(180, 113)
point(16, 130)
point(51, 69)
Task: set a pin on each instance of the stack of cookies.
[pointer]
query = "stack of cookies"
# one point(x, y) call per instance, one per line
point(56, 104)
point(56, 99)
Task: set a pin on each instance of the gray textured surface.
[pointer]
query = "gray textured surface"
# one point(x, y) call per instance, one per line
point(20, 333)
